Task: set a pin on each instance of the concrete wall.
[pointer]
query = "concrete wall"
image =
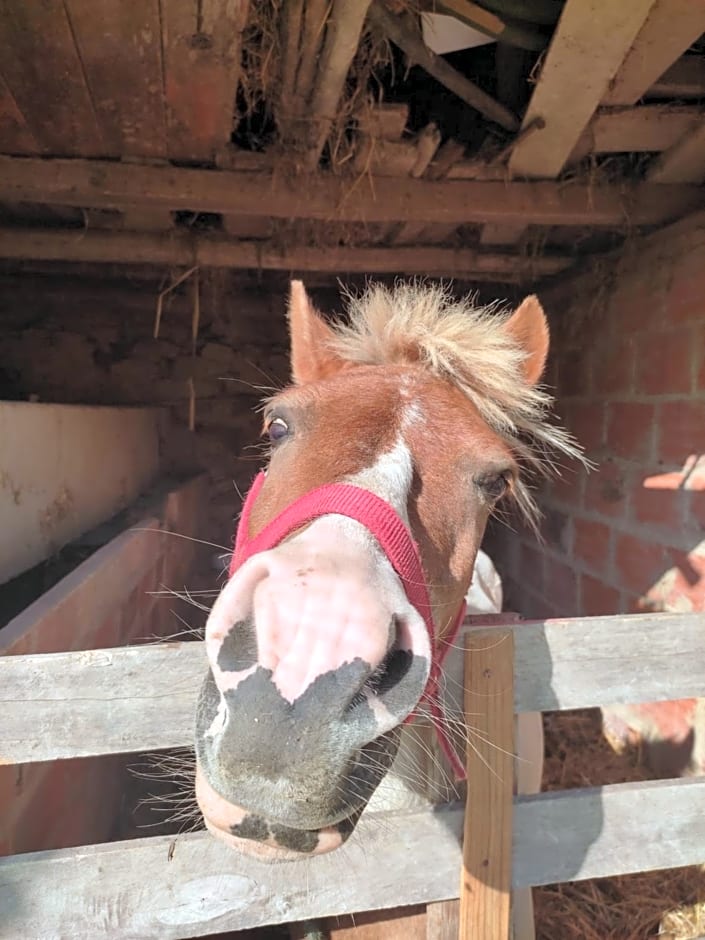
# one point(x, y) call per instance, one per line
point(65, 469)
point(628, 365)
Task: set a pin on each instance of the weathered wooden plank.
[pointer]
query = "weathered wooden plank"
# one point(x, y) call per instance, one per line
point(559, 664)
point(485, 880)
point(201, 71)
point(684, 162)
point(499, 233)
point(683, 80)
point(120, 51)
point(43, 71)
point(183, 248)
point(588, 46)
point(648, 128)
point(322, 196)
point(15, 135)
point(192, 885)
point(442, 920)
point(669, 29)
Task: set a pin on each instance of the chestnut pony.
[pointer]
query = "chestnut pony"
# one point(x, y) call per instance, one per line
point(403, 428)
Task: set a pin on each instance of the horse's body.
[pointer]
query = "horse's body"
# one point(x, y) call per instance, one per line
point(354, 555)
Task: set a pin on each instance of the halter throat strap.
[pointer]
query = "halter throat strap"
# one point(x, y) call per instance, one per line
point(397, 543)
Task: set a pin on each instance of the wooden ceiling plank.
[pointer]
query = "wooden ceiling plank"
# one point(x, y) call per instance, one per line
point(502, 233)
point(182, 248)
point(15, 136)
point(113, 185)
point(120, 48)
point(201, 71)
point(43, 71)
point(683, 163)
point(685, 79)
point(589, 45)
point(649, 128)
point(670, 28)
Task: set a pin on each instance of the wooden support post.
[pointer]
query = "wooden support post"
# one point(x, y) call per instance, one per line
point(485, 898)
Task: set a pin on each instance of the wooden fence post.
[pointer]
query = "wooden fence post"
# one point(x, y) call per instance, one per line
point(485, 887)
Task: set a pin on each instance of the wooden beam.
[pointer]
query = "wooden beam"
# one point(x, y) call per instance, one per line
point(559, 664)
point(202, 47)
point(414, 47)
point(181, 248)
point(683, 163)
point(102, 184)
point(404, 858)
point(343, 29)
point(685, 79)
point(645, 129)
point(670, 28)
point(502, 233)
point(485, 883)
point(585, 52)
point(120, 50)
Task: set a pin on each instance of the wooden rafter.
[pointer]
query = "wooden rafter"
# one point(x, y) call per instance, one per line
point(669, 29)
point(685, 79)
point(646, 129)
point(587, 50)
point(684, 162)
point(182, 248)
point(101, 184)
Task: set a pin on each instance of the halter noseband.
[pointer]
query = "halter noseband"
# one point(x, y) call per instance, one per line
point(395, 540)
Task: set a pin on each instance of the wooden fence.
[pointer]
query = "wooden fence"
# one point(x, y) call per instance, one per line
point(68, 705)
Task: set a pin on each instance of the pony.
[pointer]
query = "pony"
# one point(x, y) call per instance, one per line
point(405, 427)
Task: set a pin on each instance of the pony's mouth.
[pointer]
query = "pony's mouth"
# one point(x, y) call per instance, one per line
point(262, 838)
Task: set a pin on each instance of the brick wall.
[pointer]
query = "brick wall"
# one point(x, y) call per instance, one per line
point(628, 366)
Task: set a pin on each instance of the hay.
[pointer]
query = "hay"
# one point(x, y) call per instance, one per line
point(665, 904)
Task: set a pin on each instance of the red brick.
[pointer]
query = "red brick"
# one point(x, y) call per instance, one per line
point(569, 485)
point(663, 362)
point(700, 359)
point(639, 563)
point(637, 304)
point(597, 598)
point(586, 421)
point(531, 566)
point(685, 302)
point(561, 588)
point(606, 490)
point(630, 429)
point(573, 373)
point(664, 507)
point(592, 543)
point(613, 368)
point(681, 429)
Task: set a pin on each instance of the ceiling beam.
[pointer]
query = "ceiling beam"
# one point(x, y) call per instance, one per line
point(112, 185)
point(587, 49)
point(649, 128)
point(683, 163)
point(683, 80)
point(183, 248)
point(670, 28)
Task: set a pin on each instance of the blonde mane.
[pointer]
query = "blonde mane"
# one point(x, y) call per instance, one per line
point(468, 345)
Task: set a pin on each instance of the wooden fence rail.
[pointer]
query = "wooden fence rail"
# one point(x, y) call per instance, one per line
point(140, 698)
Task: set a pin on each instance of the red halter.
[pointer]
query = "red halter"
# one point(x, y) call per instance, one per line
point(395, 541)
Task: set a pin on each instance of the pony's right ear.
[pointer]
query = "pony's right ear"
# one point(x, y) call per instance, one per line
point(528, 328)
point(311, 355)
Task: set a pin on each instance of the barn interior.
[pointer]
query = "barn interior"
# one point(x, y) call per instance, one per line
point(167, 166)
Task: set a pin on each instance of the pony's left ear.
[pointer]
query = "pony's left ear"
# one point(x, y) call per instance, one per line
point(529, 329)
point(311, 355)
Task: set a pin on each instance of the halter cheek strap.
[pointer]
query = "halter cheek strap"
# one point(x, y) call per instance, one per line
point(396, 542)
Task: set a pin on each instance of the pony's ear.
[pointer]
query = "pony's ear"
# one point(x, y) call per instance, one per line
point(528, 327)
point(311, 355)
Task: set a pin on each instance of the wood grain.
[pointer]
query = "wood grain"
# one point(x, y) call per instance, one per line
point(96, 184)
point(559, 664)
point(485, 884)
point(191, 885)
point(587, 48)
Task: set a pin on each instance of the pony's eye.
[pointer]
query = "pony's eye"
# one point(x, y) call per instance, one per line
point(495, 485)
point(277, 430)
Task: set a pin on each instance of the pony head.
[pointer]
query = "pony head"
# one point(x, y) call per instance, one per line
point(426, 413)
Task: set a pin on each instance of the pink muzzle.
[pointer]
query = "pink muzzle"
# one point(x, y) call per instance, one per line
point(395, 540)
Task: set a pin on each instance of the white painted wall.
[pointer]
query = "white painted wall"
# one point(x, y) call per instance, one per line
point(65, 469)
